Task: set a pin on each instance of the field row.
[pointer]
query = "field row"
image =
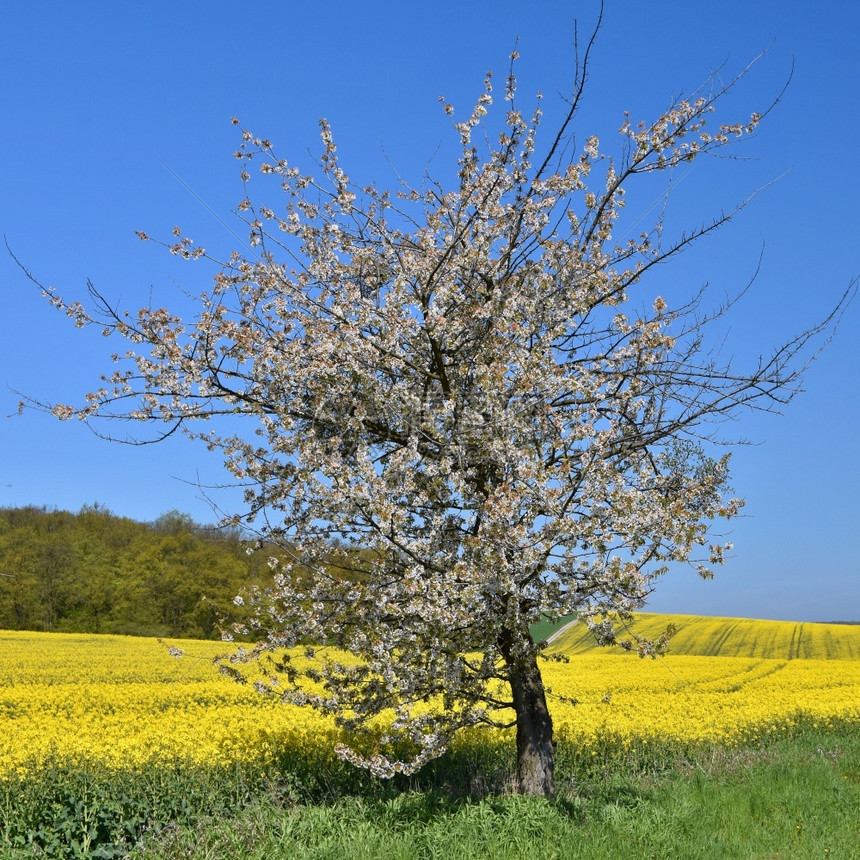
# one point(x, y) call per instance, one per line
point(125, 701)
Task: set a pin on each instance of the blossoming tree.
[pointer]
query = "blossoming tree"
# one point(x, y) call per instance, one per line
point(465, 409)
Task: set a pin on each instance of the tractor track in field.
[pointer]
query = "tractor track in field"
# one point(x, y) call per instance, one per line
point(556, 633)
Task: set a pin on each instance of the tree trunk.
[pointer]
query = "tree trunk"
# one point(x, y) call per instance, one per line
point(535, 751)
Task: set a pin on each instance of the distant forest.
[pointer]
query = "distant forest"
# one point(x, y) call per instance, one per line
point(95, 572)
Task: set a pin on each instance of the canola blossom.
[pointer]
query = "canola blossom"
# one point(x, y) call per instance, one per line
point(124, 702)
point(729, 637)
point(688, 700)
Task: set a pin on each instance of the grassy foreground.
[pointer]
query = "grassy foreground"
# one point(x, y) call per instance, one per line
point(792, 798)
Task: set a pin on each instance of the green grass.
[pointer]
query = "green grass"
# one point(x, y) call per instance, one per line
point(789, 801)
point(698, 635)
point(796, 797)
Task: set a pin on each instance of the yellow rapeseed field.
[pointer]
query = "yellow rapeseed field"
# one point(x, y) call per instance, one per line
point(733, 637)
point(124, 701)
point(725, 700)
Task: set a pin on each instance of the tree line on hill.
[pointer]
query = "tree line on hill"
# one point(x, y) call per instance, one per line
point(95, 572)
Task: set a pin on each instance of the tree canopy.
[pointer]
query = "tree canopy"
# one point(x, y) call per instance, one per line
point(474, 383)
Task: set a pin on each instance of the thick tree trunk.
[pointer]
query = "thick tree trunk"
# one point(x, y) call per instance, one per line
point(535, 751)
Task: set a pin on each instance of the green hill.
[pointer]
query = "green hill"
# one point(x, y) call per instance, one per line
point(730, 637)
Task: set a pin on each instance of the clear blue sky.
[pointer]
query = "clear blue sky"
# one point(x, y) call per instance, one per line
point(106, 103)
